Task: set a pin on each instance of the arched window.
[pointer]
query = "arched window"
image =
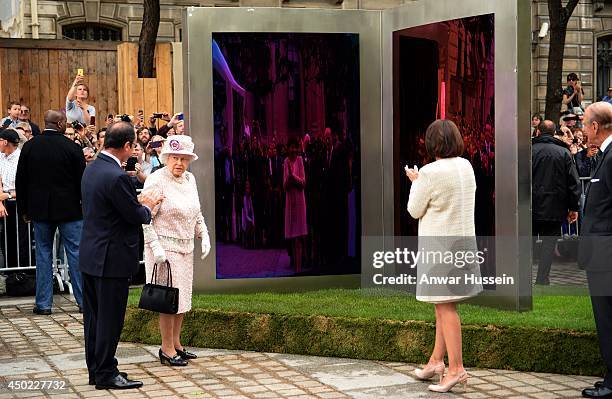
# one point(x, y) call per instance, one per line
point(604, 65)
point(86, 31)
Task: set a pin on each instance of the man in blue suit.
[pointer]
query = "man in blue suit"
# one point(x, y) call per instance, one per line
point(112, 216)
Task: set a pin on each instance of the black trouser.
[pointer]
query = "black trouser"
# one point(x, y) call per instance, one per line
point(104, 302)
point(600, 286)
point(549, 232)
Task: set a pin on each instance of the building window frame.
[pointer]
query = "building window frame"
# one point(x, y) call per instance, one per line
point(66, 23)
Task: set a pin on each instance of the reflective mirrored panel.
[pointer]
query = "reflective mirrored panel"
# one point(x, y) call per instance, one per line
point(286, 154)
point(445, 70)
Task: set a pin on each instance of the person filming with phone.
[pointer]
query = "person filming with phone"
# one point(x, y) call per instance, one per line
point(77, 103)
point(573, 94)
point(133, 167)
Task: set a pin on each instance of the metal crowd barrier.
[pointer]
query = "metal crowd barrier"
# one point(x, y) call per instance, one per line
point(28, 263)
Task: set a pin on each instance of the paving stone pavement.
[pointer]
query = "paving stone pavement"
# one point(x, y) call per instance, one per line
point(42, 349)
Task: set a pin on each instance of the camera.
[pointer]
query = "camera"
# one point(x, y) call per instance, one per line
point(575, 141)
point(157, 115)
point(124, 118)
point(76, 125)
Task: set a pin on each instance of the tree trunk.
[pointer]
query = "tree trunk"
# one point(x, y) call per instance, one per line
point(559, 17)
point(148, 37)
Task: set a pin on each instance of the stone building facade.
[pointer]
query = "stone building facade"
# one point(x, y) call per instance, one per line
point(588, 50)
point(55, 17)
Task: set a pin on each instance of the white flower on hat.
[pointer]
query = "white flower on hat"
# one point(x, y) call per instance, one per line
point(178, 145)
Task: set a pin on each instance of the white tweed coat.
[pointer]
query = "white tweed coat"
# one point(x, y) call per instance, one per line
point(443, 199)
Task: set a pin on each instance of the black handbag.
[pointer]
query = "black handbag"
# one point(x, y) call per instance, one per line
point(160, 298)
point(21, 284)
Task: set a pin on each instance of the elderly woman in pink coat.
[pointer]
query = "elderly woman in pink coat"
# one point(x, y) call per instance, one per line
point(175, 225)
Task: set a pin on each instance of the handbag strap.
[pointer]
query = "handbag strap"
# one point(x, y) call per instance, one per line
point(168, 275)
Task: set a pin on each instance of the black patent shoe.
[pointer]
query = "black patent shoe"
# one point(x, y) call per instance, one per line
point(186, 354)
point(119, 382)
point(175, 360)
point(92, 381)
point(602, 392)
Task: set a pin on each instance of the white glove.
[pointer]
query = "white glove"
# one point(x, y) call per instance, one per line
point(159, 255)
point(205, 246)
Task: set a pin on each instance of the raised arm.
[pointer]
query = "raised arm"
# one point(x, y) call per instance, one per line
point(72, 92)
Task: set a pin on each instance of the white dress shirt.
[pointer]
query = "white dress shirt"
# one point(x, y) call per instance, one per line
point(108, 154)
point(606, 143)
point(8, 170)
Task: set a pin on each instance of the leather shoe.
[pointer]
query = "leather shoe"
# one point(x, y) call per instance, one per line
point(597, 392)
point(185, 354)
point(93, 382)
point(119, 382)
point(175, 360)
point(39, 311)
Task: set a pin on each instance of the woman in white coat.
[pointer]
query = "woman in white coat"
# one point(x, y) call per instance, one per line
point(170, 236)
point(442, 197)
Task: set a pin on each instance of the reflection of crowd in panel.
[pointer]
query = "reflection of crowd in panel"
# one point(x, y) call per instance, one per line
point(294, 193)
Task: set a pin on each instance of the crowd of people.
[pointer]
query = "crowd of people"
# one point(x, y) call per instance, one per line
point(293, 194)
point(83, 183)
point(17, 128)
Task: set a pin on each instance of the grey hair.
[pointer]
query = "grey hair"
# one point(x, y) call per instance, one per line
point(601, 112)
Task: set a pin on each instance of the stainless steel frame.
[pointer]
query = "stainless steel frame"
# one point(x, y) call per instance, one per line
point(197, 52)
point(375, 29)
point(512, 133)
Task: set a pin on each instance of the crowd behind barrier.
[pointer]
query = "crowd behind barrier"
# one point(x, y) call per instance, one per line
point(18, 245)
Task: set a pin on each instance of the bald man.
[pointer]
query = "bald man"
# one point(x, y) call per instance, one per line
point(555, 194)
point(48, 185)
point(595, 252)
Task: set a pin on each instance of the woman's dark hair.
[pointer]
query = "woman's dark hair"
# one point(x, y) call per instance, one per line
point(537, 115)
point(443, 139)
point(118, 134)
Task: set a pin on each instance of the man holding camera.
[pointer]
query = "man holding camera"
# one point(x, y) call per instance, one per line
point(48, 181)
point(573, 94)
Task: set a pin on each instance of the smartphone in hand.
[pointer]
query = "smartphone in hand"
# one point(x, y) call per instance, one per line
point(92, 120)
point(130, 165)
point(181, 116)
point(80, 71)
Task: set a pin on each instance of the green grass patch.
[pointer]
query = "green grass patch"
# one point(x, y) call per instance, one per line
point(555, 312)
point(558, 336)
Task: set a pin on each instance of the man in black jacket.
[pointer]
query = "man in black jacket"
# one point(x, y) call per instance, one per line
point(109, 253)
point(48, 181)
point(555, 194)
point(595, 251)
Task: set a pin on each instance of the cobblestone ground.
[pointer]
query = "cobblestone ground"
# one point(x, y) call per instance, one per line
point(50, 348)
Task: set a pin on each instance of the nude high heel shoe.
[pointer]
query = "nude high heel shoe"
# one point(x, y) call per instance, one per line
point(450, 383)
point(427, 372)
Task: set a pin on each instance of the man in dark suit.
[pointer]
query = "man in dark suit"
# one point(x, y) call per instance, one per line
point(596, 242)
point(48, 181)
point(113, 215)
